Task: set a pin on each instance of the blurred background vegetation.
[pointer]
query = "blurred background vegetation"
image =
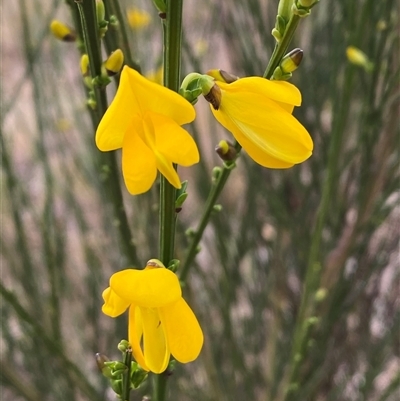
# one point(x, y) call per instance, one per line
point(297, 281)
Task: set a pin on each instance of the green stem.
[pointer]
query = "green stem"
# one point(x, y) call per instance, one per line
point(282, 46)
point(314, 267)
point(210, 203)
point(278, 53)
point(172, 65)
point(87, 13)
point(126, 380)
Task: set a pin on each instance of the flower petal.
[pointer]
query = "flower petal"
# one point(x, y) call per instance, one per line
point(269, 134)
point(138, 161)
point(149, 288)
point(183, 332)
point(150, 96)
point(174, 142)
point(279, 91)
point(155, 348)
point(116, 120)
point(113, 304)
point(166, 168)
point(135, 332)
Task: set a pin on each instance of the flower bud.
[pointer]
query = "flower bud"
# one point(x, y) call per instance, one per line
point(223, 76)
point(226, 151)
point(62, 32)
point(357, 57)
point(124, 346)
point(214, 96)
point(103, 367)
point(84, 64)
point(154, 263)
point(285, 9)
point(100, 11)
point(292, 60)
point(174, 265)
point(114, 62)
point(307, 3)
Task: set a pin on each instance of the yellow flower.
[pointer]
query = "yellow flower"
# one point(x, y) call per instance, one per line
point(144, 120)
point(138, 19)
point(258, 112)
point(159, 318)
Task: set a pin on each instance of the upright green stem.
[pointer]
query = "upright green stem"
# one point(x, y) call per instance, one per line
point(282, 46)
point(172, 64)
point(89, 28)
point(314, 267)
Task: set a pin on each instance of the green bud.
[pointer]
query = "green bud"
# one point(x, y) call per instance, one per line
point(280, 24)
point(180, 201)
point(307, 3)
point(101, 361)
point(190, 232)
point(285, 9)
point(181, 196)
point(100, 11)
point(138, 375)
point(276, 34)
point(321, 294)
point(195, 85)
point(302, 8)
point(114, 21)
point(116, 385)
point(124, 346)
point(174, 265)
point(312, 321)
point(216, 173)
point(217, 208)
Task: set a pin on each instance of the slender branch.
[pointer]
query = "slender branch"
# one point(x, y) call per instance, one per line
point(52, 345)
point(209, 206)
point(172, 65)
point(282, 46)
point(87, 12)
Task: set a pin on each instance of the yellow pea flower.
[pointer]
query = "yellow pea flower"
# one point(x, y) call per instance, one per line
point(145, 119)
point(158, 315)
point(258, 112)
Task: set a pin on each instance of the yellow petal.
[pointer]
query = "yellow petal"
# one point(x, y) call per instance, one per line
point(174, 142)
point(184, 335)
point(150, 96)
point(279, 91)
point(113, 304)
point(267, 132)
point(166, 168)
point(155, 349)
point(135, 330)
point(118, 117)
point(138, 161)
point(149, 288)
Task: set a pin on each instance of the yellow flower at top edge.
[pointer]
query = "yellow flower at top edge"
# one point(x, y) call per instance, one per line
point(160, 321)
point(145, 119)
point(258, 112)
